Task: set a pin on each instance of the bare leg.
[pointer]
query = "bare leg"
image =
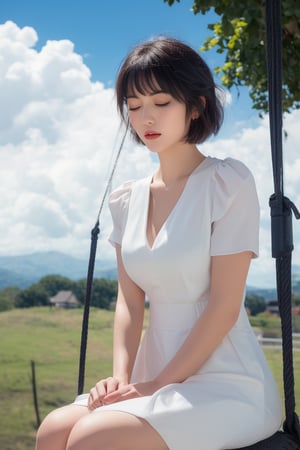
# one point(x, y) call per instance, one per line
point(56, 427)
point(113, 430)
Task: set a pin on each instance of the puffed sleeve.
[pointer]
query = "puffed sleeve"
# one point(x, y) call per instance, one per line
point(118, 205)
point(235, 212)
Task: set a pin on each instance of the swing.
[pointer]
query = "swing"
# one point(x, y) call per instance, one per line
point(282, 243)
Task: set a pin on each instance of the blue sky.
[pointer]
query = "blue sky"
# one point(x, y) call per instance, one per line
point(59, 127)
point(103, 31)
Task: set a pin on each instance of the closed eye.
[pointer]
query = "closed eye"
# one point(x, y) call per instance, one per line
point(163, 104)
point(133, 108)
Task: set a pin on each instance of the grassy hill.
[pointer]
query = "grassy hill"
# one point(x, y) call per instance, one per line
point(51, 337)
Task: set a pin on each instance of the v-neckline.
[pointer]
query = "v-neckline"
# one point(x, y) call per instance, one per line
point(172, 211)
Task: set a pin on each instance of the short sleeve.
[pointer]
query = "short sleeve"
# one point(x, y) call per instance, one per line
point(235, 213)
point(118, 205)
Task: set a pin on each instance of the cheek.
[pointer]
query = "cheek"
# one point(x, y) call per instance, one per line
point(134, 124)
point(132, 119)
point(182, 122)
point(179, 117)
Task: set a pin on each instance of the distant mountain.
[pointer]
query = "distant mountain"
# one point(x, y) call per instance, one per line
point(271, 294)
point(24, 270)
point(10, 278)
point(267, 293)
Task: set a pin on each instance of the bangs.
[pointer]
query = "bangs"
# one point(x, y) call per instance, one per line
point(148, 80)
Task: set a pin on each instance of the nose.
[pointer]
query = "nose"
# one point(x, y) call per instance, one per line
point(147, 116)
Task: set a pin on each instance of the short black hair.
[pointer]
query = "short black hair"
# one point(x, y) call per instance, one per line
point(181, 72)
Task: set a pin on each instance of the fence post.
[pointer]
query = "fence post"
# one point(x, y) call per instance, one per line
point(34, 392)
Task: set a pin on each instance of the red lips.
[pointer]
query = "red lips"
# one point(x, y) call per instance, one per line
point(150, 135)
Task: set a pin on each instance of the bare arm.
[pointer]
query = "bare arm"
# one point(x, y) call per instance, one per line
point(128, 322)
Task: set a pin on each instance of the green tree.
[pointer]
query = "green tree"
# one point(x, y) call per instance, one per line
point(8, 298)
point(296, 299)
point(256, 304)
point(79, 290)
point(34, 295)
point(241, 36)
point(103, 293)
point(52, 284)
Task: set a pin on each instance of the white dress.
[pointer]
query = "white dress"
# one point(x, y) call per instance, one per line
point(232, 400)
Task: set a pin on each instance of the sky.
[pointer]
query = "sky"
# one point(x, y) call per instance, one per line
point(60, 130)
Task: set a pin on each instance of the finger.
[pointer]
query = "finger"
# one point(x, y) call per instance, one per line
point(116, 395)
point(90, 400)
point(112, 398)
point(92, 395)
point(101, 388)
point(95, 404)
point(123, 393)
point(112, 385)
point(94, 401)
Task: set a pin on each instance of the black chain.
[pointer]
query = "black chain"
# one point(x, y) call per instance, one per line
point(90, 274)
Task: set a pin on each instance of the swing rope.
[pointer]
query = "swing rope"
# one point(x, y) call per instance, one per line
point(90, 274)
point(281, 211)
point(282, 235)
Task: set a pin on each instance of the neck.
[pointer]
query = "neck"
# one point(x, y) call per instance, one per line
point(175, 165)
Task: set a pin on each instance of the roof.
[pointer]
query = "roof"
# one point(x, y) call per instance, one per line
point(64, 297)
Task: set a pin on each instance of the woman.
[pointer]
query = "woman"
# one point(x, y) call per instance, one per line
point(184, 237)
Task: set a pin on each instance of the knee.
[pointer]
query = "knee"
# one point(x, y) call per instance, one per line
point(79, 434)
point(88, 434)
point(52, 427)
point(50, 423)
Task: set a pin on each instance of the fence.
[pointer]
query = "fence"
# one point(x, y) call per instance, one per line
point(277, 342)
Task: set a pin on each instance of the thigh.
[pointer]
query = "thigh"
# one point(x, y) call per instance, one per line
point(113, 430)
point(55, 428)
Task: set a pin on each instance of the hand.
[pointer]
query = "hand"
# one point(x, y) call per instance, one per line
point(101, 390)
point(128, 391)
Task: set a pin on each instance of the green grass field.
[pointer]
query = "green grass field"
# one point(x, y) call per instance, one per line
point(51, 338)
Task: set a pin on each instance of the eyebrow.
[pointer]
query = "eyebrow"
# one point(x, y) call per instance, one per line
point(151, 94)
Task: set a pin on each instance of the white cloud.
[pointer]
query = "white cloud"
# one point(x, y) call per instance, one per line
point(252, 146)
point(59, 132)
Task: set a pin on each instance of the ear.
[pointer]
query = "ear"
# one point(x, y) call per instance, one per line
point(203, 101)
point(196, 111)
point(195, 114)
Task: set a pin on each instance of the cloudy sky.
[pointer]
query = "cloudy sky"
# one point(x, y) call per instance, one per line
point(60, 130)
